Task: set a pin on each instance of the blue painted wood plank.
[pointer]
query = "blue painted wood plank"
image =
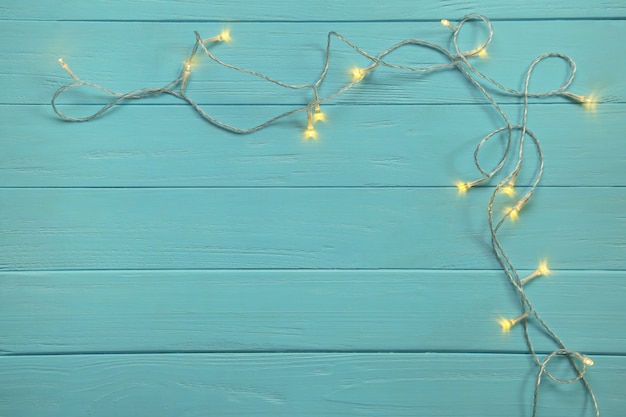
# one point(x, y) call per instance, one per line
point(358, 146)
point(128, 56)
point(318, 10)
point(273, 385)
point(251, 311)
point(580, 228)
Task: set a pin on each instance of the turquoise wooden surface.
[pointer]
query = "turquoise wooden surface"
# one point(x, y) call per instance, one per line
point(126, 56)
point(280, 384)
point(313, 228)
point(114, 152)
point(382, 310)
point(151, 264)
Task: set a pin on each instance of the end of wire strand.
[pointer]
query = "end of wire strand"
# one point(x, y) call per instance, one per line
point(67, 69)
point(589, 102)
point(448, 24)
point(586, 360)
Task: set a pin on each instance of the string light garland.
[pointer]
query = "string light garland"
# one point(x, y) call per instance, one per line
point(517, 136)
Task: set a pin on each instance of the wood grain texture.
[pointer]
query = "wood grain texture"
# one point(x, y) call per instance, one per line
point(129, 56)
point(251, 311)
point(326, 10)
point(153, 265)
point(302, 228)
point(273, 385)
point(133, 147)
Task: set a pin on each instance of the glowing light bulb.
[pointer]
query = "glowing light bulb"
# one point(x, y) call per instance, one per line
point(480, 51)
point(186, 74)
point(542, 269)
point(224, 36)
point(513, 212)
point(584, 359)
point(318, 116)
point(507, 324)
point(446, 23)
point(358, 74)
point(463, 186)
point(310, 132)
point(67, 69)
point(508, 189)
point(589, 102)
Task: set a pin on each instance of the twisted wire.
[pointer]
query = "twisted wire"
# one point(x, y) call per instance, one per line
point(514, 149)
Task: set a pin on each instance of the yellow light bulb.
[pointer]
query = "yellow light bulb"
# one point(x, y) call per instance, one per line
point(589, 102)
point(318, 116)
point(310, 132)
point(67, 69)
point(186, 74)
point(463, 186)
point(358, 74)
point(507, 324)
point(508, 189)
point(513, 212)
point(542, 269)
point(584, 359)
point(480, 51)
point(224, 36)
point(446, 23)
